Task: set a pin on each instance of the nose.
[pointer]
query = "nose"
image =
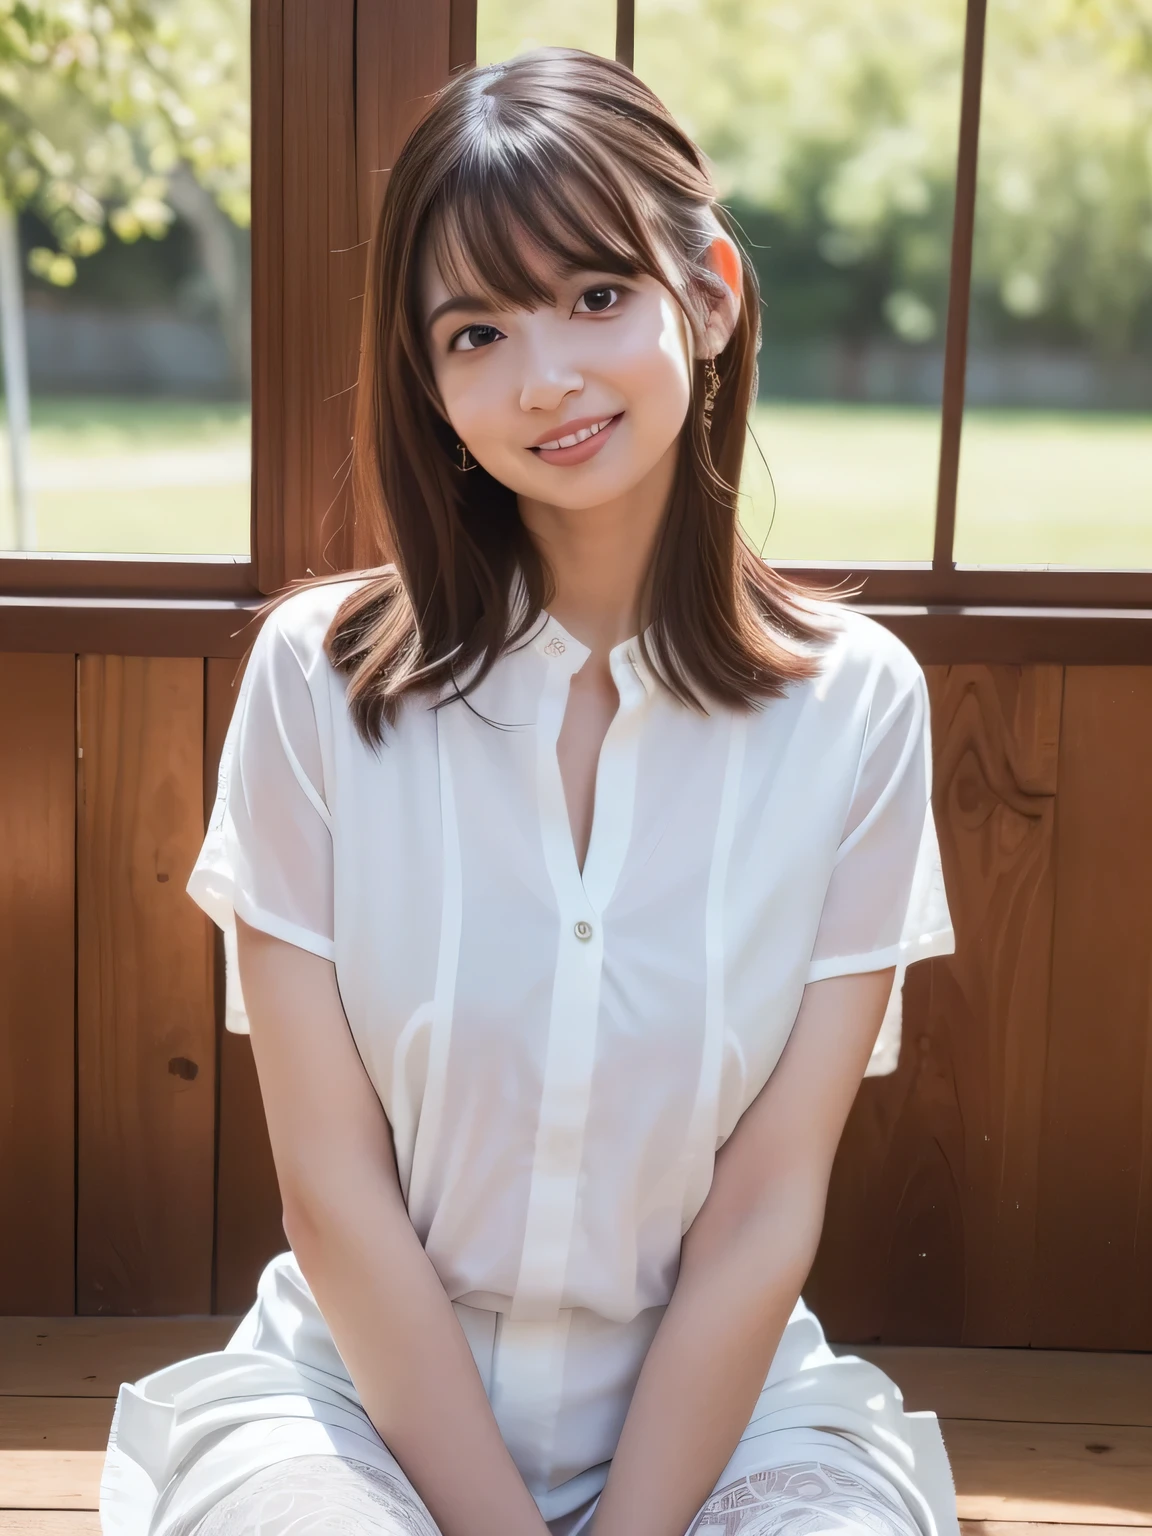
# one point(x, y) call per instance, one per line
point(549, 375)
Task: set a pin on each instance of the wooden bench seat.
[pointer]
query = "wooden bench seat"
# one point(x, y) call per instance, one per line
point(1039, 1439)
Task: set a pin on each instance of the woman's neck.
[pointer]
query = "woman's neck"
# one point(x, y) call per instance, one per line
point(599, 556)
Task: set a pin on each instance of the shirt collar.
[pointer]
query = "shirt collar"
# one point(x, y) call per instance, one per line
point(559, 648)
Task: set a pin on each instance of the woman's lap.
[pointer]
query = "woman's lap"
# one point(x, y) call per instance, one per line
point(337, 1495)
point(307, 1473)
point(330, 1494)
point(803, 1498)
point(253, 1456)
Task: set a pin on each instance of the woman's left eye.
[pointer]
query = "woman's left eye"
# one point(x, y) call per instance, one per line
point(597, 296)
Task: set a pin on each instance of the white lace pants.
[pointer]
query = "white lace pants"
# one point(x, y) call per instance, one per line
point(339, 1496)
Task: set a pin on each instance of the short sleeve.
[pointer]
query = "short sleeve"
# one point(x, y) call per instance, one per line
point(885, 904)
point(267, 854)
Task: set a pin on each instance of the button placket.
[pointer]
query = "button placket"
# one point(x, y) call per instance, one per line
point(581, 901)
point(571, 1041)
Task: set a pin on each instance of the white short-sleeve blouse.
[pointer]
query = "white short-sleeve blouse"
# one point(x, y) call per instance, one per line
point(560, 1053)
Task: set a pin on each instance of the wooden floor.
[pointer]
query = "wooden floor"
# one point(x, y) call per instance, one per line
point(1039, 1439)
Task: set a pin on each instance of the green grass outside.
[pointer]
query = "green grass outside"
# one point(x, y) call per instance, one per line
point(1036, 488)
point(108, 426)
point(851, 482)
point(165, 477)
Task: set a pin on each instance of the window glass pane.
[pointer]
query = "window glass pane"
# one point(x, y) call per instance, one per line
point(126, 293)
point(1056, 452)
point(831, 126)
point(507, 27)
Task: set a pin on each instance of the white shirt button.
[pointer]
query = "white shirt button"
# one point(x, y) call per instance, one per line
point(583, 930)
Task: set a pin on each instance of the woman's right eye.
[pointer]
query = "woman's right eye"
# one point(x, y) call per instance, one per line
point(477, 336)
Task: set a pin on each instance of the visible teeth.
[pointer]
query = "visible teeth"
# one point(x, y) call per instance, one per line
point(578, 437)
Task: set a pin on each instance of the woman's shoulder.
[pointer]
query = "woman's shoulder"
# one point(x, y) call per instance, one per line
point(864, 676)
point(297, 627)
point(862, 654)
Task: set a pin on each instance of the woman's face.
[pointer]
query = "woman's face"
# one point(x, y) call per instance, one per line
point(612, 354)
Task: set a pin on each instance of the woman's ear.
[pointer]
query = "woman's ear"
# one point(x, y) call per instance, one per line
point(724, 259)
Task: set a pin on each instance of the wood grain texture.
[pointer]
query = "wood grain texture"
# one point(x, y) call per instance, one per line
point(403, 55)
point(55, 1423)
point(940, 634)
point(51, 1479)
point(49, 1522)
point(145, 1014)
point(52, 1451)
point(306, 350)
point(1094, 1230)
point(930, 1228)
point(1030, 1385)
point(1037, 1528)
point(1051, 1472)
point(92, 1356)
point(462, 35)
point(249, 1221)
point(37, 982)
point(249, 1228)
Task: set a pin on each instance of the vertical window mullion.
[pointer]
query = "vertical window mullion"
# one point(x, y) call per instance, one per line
point(959, 288)
point(626, 32)
point(461, 35)
point(267, 289)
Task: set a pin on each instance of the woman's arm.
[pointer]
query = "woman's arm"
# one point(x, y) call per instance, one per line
point(346, 1221)
point(743, 1263)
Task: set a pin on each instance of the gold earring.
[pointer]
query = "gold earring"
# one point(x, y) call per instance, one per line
point(711, 389)
point(464, 464)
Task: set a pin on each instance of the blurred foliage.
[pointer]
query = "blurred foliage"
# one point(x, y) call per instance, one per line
point(505, 27)
point(1064, 221)
point(832, 126)
point(100, 103)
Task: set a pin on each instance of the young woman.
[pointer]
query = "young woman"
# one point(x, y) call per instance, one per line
point(573, 859)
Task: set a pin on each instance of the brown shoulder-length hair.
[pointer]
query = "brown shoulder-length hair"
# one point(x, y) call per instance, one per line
point(570, 156)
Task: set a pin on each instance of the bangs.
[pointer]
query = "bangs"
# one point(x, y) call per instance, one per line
point(520, 177)
point(514, 216)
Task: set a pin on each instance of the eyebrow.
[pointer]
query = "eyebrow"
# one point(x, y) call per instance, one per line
point(459, 303)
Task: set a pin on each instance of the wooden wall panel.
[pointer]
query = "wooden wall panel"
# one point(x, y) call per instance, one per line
point(306, 328)
point(403, 54)
point(146, 1034)
point(996, 1190)
point(249, 1228)
point(37, 982)
point(930, 1228)
point(1094, 1251)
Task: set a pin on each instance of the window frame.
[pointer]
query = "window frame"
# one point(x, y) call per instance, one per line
point(357, 73)
point(336, 85)
point(942, 580)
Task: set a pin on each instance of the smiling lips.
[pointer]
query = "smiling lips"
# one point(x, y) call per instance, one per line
point(588, 430)
point(578, 444)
